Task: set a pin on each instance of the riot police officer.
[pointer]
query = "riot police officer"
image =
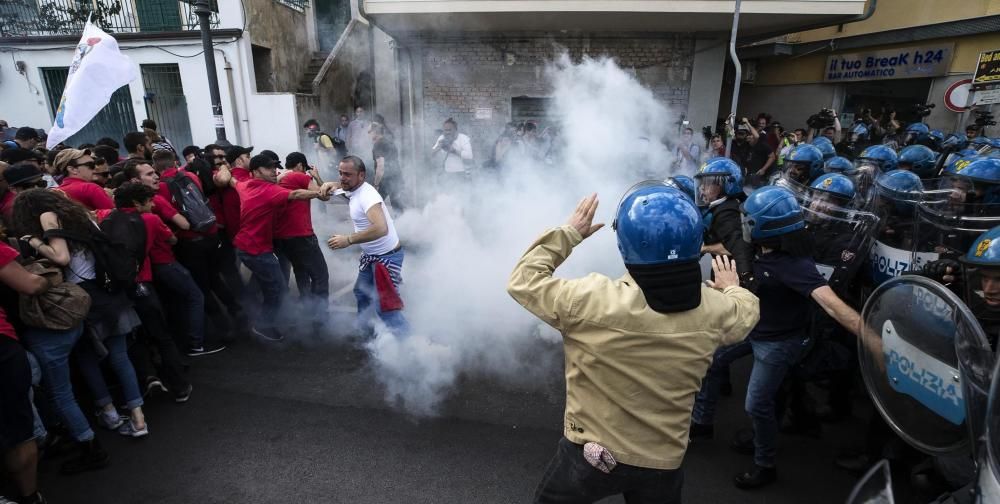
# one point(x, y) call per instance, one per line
point(916, 134)
point(838, 164)
point(788, 282)
point(718, 195)
point(872, 162)
point(857, 138)
point(683, 183)
point(803, 164)
point(918, 159)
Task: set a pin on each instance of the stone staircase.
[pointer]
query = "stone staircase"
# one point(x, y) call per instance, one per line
point(315, 64)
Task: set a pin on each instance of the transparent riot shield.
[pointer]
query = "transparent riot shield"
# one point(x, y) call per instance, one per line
point(946, 227)
point(911, 366)
point(988, 487)
point(843, 237)
point(875, 487)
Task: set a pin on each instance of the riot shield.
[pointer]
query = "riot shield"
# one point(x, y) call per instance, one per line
point(989, 459)
point(843, 237)
point(946, 228)
point(910, 363)
point(875, 487)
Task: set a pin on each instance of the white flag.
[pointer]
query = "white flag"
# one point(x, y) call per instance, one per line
point(98, 69)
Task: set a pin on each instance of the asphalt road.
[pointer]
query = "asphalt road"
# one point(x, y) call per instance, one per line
point(295, 423)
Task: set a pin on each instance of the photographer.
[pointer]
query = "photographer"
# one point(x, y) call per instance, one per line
point(826, 121)
point(457, 151)
point(754, 158)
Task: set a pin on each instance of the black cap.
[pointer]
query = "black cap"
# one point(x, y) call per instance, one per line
point(22, 173)
point(273, 155)
point(262, 161)
point(191, 149)
point(26, 133)
point(236, 151)
point(11, 156)
point(296, 158)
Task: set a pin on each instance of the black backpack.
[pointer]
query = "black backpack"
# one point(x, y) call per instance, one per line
point(119, 248)
point(191, 202)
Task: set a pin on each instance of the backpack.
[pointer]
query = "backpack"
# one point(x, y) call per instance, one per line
point(62, 306)
point(118, 246)
point(191, 203)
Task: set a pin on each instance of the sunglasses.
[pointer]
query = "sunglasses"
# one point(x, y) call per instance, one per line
point(88, 164)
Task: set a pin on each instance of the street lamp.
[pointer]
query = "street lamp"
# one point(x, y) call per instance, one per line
point(202, 9)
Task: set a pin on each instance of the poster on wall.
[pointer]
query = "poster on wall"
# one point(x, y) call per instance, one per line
point(987, 70)
point(902, 63)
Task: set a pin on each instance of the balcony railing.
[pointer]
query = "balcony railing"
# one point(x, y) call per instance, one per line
point(61, 17)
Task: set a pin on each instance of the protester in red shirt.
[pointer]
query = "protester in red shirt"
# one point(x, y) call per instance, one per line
point(261, 202)
point(17, 433)
point(295, 242)
point(77, 166)
point(141, 171)
point(134, 197)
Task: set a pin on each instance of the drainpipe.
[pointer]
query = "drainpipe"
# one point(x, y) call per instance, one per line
point(739, 74)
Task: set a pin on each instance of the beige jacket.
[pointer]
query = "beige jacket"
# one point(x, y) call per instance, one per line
point(631, 373)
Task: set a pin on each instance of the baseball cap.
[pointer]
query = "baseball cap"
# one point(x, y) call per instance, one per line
point(236, 151)
point(22, 173)
point(67, 156)
point(296, 158)
point(262, 161)
point(274, 157)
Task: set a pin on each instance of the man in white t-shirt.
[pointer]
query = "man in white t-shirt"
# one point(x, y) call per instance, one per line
point(453, 152)
point(380, 273)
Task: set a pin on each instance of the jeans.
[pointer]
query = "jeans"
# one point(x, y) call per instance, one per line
point(272, 284)
point(190, 301)
point(36, 380)
point(570, 479)
point(369, 306)
point(704, 403)
point(90, 368)
point(771, 361)
point(311, 275)
point(52, 349)
point(154, 328)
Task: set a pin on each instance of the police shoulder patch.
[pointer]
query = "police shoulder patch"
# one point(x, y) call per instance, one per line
point(982, 247)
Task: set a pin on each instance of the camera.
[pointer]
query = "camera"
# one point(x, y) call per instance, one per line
point(921, 110)
point(823, 119)
point(984, 118)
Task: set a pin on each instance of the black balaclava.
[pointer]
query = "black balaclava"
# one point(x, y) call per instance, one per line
point(669, 288)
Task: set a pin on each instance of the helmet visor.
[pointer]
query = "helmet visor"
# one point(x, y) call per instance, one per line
point(798, 171)
point(710, 188)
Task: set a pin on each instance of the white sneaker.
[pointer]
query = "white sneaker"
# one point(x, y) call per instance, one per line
point(129, 429)
point(110, 420)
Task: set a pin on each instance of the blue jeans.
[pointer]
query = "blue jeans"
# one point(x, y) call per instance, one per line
point(36, 379)
point(704, 403)
point(90, 367)
point(771, 361)
point(190, 300)
point(52, 349)
point(273, 285)
point(369, 306)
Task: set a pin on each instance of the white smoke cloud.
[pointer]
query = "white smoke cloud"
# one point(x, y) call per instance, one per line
point(462, 245)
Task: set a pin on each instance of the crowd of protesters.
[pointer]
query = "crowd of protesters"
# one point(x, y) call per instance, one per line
point(131, 264)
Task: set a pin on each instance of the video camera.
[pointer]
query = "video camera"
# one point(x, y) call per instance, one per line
point(821, 120)
point(984, 118)
point(921, 110)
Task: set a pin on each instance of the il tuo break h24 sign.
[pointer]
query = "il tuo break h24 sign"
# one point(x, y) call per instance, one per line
point(902, 63)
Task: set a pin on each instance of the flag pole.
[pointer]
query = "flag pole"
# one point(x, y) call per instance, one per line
point(203, 11)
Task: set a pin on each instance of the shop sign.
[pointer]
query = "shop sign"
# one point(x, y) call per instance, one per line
point(903, 63)
point(988, 70)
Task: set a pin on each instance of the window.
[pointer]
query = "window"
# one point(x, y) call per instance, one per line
point(263, 74)
point(299, 5)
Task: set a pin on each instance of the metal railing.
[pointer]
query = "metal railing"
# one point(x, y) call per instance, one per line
point(62, 17)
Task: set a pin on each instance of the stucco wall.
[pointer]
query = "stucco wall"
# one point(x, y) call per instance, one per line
point(285, 31)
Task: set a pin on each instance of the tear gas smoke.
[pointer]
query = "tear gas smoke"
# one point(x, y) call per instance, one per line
point(463, 244)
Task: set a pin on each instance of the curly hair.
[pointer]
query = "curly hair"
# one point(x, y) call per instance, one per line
point(31, 204)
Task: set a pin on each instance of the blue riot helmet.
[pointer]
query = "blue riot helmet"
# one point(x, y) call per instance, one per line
point(985, 251)
point(916, 133)
point(859, 132)
point(804, 163)
point(899, 192)
point(881, 156)
point(657, 224)
point(980, 144)
point(770, 212)
point(830, 197)
point(682, 182)
point(957, 161)
point(838, 164)
point(827, 149)
point(835, 184)
point(935, 138)
point(984, 175)
point(821, 139)
point(954, 141)
point(981, 269)
point(717, 179)
point(919, 159)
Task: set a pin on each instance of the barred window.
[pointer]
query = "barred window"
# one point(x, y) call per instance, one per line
point(299, 5)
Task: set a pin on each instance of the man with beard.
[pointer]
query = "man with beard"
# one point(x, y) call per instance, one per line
point(138, 146)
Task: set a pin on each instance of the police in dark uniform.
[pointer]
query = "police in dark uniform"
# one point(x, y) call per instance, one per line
point(719, 194)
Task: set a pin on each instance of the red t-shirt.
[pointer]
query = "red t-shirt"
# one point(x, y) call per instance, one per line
point(296, 220)
point(7, 207)
point(155, 230)
point(7, 256)
point(231, 215)
point(164, 192)
point(163, 208)
point(89, 194)
point(260, 203)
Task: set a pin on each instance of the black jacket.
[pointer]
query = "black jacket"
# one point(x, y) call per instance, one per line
point(725, 226)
